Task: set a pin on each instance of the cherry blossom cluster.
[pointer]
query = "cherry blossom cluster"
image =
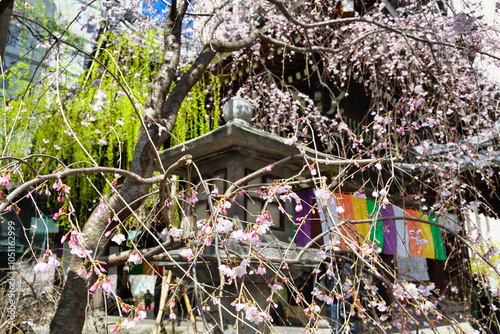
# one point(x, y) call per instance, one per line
point(417, 236)
point(131, 321)
point(235, 272)
point(47, 262)
point(410, 292)
point(173, 232)
point(5, 181)
point(102, 282)
point(226, 20)
point(252, 313)
point(463, 23)
point(62, 189)
point(76, 242)
point(277, 110)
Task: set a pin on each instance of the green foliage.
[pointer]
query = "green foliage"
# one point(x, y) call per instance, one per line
point(477, 264)
point(90, 123)
point(199, 112)
point(101, 114)
point(28, 78)
point(94, 122)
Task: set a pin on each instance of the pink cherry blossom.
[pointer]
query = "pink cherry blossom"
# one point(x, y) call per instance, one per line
point(5, 181)
point(359, 194)
point(101, 209)
point(237, 234)
point(192, 197)
point(135, 258)
point(261, 270)
point(174, 232)
point(322, 193)
point(95, 286)
point(53, 262)
point(290, 140)
point(298, 207)
point(41, 267)
point(119, 238)
point(187, 253)
point(226, 270)
point(224, 226)
point(239, 271)
point(107, 284)
point(275, 287)
point(116, 328)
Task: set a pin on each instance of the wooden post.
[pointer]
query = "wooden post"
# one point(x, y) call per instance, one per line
point(188, 308)
point(165, 286)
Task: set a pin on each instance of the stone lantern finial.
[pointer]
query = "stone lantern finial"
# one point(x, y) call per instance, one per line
point(237, 110)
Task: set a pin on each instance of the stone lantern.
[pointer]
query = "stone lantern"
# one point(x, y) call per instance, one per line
point(222, 157)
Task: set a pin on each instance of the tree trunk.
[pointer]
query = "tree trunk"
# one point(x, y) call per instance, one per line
point(6, 7)
point(70, 314)
point(145, 160)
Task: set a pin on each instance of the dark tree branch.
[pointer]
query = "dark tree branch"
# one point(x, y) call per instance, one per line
point(6, 7)
point(170, 62)
point(193, 75)
point(72, 303)
point(4, 4)
point(147, 254)
point(86, 171)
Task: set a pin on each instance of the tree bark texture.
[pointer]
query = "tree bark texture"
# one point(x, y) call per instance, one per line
point(70, 314)
point(6, 7)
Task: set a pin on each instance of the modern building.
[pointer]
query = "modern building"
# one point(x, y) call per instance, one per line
point(31, 50)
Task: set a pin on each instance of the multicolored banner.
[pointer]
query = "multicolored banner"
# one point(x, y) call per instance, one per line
point(145, 269)
point(401, 237)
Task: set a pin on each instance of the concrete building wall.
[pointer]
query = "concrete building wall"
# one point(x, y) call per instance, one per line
point(27, 48)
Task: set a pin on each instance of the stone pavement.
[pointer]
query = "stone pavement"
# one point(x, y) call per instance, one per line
point(147, 326)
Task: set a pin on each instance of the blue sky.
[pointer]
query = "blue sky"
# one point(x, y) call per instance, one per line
point(157, 8)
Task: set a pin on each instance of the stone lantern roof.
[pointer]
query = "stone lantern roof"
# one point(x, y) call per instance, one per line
point(230, 153)
point(237, 136)
point(222, 157)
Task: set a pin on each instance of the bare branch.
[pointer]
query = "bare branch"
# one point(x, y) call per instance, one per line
point(147, 254)
point(22, 161)
point(92, 170)
point(291, 159)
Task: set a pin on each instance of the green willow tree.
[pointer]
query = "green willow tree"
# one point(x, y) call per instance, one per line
point(86, 115)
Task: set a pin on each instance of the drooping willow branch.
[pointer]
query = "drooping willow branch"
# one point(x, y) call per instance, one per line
point(113, 75)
